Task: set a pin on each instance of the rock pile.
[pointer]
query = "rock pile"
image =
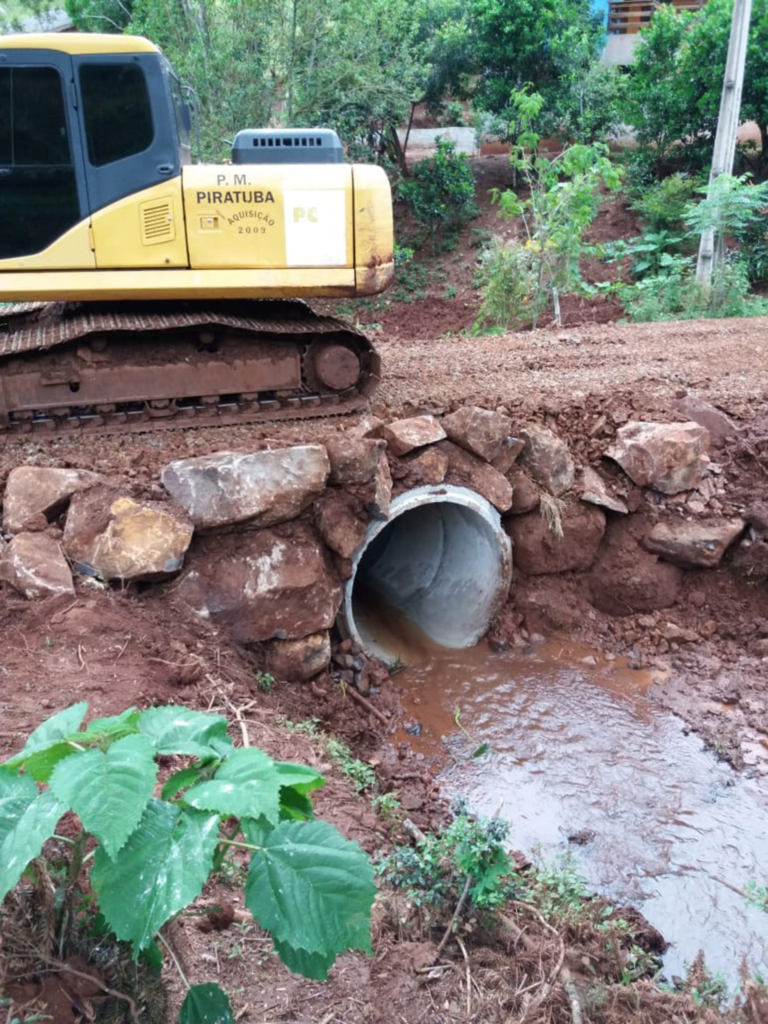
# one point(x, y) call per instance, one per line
point(261, 542)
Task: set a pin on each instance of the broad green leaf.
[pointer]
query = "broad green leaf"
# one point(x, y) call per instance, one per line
point(179, 780)
point(310, 965)
point(299, 777)
point(247, 785)
point(24, 831)
point(17, 792)
point(112, 726)
point(311, 888)
point(51, 731)
point(295, 806)
point(108, 790)
point(206, 1004)
point(161, 869)
point(178, 730)
point(40, 765)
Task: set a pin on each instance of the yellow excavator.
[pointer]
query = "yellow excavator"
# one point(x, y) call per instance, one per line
point(143, 290)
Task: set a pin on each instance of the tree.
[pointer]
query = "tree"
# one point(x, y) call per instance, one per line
point(673, 93)
point(536, 42)
point(346, 64)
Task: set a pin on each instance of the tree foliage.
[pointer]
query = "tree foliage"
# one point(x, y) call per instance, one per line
point(307, 885)
point(675, 83)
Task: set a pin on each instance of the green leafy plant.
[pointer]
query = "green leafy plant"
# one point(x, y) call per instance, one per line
point(264, 680)
point(757, 895)
point(507, 282)
point(647, 252)
point(441, 193)
point(360, 774)
point(388, 808)
point(675, 294)
point(149, 857)
point(410, 276)
point(663, 204)
point(563, 200)
point(737, 210)
point(465, 867)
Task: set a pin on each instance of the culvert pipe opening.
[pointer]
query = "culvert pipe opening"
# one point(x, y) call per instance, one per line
point(440, 566)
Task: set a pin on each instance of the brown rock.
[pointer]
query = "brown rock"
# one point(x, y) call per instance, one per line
point(466, 470)
point(548, 604)
point(257, 488)
point(696, 545)
point(760, 647)
point(115, 537)
point(757, 516)
point(538, 551)
point(34, 491)
point(525, 493)
point(263, 585)
point(427, 468)
point(717, 423)
point(299, 660)
point(338, 525)
point(670, 457)
point(404, 436)
point(626, 578)
point(547, 459)
point(679, 634)
point(595, 490)
point(479, 431)
point(34, 564)
point(354, 460)
point(509, 454)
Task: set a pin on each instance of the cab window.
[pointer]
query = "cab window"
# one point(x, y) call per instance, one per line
point(38, 190)
point(116, 111)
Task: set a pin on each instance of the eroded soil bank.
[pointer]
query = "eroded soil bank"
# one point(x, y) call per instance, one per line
point(117, 641)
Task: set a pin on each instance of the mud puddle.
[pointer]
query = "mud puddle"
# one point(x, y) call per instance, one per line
point(577, 748)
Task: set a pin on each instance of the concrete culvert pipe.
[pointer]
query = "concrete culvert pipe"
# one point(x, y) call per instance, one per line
point(442, 562)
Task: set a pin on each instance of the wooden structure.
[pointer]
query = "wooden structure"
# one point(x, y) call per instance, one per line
point(627, 17)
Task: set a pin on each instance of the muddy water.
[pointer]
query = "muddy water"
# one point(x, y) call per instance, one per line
point(577, 746)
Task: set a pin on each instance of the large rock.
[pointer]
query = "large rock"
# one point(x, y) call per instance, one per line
point(264, 584)
point(34, 491)
point(34, 564)
point(111, 535)
point(626, 578)
point(299, 660)
point(338, 524)
point(669, 457)
point(718, 424)
point(525, 494)
point(695, 545)
point(479, 431)
point(465, 470)
point(405, 436)
point(538, 551)
point(354, 460)
point(257, 488)
point(428, 468)
point(376, 495)
point(547, 459)
point(595, 490)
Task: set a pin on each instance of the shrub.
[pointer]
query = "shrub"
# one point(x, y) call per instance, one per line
point(307, 885)
point(663, 205)
point(468, 858)
point(675, 294)
point(441, 194)
point(507, 283)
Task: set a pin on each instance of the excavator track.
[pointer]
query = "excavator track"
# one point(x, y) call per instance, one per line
point(75, 368)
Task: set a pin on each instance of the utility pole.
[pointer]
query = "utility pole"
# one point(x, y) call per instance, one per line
point(710, 247)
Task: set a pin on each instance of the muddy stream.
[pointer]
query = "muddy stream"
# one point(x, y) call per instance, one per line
point(579, 749)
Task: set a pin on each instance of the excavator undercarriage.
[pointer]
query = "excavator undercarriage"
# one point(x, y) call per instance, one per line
point(115, 367)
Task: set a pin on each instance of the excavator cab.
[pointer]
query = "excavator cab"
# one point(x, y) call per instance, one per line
point(78, 132)
point(137, 270)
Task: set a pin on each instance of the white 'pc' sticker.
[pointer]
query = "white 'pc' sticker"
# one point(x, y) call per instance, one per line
point(315, 227)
